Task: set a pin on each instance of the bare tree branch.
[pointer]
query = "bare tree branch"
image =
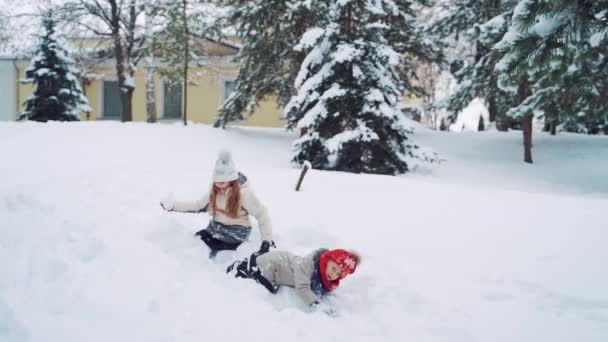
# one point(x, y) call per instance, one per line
point(97, 10)
point(97, 32)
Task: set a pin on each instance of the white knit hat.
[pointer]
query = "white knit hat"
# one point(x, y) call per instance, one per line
point(225, 170)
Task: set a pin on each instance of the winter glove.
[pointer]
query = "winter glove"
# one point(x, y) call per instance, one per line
point(266, 247)
point(168, 203)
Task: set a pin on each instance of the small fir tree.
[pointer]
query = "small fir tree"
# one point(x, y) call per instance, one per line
point(57, 93)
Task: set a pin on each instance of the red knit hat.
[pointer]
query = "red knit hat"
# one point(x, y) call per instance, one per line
point(345, 260)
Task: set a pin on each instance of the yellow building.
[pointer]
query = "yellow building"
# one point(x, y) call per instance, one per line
point(212, 82)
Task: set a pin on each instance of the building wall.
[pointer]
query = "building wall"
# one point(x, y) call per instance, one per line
point(268, 114)
point(25, 90)
point(8, 96)
point(204, 96)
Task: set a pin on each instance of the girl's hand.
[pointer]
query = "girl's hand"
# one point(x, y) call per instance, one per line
point(168, 203)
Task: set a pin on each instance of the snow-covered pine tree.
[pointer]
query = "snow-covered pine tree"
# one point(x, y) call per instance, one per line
point(571, 91)
point(349, 89)
point(269, 30)
point(57, 93)
point(562, 47)
point(555, 54)
point(481, 124)
point(474, 27)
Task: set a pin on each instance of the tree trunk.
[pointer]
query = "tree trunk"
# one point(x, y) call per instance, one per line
point(127, 104)
point(83, 84)
point(523, 91)
point(527, 132)
point(150, 86)
point(431, 98)
point(126, 92)
point(186, 55)
point(492, 108)
point(553, 128)
point(495, 115)
point(150, 98)
point(349, 22)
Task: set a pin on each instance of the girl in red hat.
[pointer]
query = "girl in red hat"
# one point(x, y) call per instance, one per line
point(312, 276)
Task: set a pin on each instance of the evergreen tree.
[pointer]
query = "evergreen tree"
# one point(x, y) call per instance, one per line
point(474, 27)
point(57, 94)
point(269, 64)
point(349, 88)
point(555, 55)
point(270, 29)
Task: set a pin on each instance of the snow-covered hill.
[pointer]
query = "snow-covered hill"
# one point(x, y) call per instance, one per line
point(481, 248)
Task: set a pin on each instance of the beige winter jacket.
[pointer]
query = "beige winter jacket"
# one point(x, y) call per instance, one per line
point(251, 205)
point(285, 268)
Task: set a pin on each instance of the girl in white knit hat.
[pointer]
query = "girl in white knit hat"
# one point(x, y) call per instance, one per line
point(230, 202)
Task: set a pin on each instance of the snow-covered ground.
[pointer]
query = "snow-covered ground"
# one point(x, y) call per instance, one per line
point(481, 248)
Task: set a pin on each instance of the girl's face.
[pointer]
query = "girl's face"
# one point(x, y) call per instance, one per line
point(222, 185)
point(332, 271)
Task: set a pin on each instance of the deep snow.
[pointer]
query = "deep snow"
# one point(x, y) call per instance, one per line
point(480, 248)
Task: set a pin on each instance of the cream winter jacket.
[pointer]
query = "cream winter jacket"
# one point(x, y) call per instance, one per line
point(285, 268)
point(250, 205)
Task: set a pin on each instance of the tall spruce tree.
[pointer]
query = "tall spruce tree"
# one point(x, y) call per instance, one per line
point(474, 27)
point(562, 47)
point(57, 93)
point(348, 91)
point(555, 57)
point(269, 30)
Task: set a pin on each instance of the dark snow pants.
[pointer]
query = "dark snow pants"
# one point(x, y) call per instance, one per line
point(221, 237)
point(216, 244)
point(248, 269)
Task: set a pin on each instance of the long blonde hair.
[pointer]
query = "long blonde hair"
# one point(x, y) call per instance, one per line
point(233, 204)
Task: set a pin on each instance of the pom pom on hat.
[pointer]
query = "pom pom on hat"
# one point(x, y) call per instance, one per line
point(225, 170)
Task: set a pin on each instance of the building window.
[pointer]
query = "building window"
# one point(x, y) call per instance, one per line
point(112, 106)
point(172, 100)
point(228, 89)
